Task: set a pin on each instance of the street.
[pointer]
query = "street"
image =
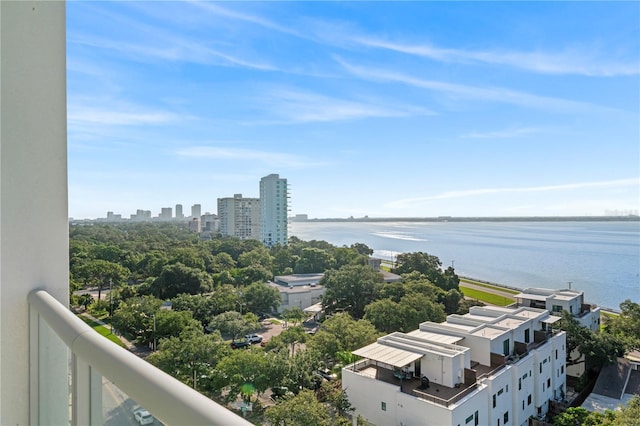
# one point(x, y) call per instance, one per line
point(117, 407)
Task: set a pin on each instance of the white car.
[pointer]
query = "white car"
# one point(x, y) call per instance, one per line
point(253, 338)
point(143, 417)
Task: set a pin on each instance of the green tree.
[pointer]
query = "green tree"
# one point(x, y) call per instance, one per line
point(100, 273)
point(171, 323)
point(178, 278)
point(259, 256)
point(626, 326)
point(292, 336)
point(135, 317)
point(233, 324)
point(314, 260)
point(342, 333)
point(260, 297)
point(302, 409)
point(387, 316)
point(191, 357)
point(222, 262)
point(351, 288)
point(293, 315)
point(244, 373)
point(595, 350)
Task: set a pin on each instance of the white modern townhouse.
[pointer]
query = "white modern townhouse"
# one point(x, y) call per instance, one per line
point(492, 366)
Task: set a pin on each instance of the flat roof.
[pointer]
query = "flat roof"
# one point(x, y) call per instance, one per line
point(388, 354)
point(552, 319)
point(435, 337)
point(540, 297)
point(488, 331)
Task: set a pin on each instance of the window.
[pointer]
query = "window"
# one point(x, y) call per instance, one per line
point(562, 369)
point(505, 347)
point(540, 368)
point(475, 415)
point(556, 354)
point(506, 389)
point(494, 400)
point(527, 337)
point(469, 419)
point(519, 383)
point(529, 400)
point(523, 404)
point(500, 392)
point(383, 406)
point(548, 383)
point(505, 417)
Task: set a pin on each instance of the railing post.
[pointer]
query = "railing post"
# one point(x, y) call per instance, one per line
point(86, 394)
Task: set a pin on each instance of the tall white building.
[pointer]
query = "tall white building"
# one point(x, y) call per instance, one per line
point(196, 211)
point(274, 209)
point(179, 214)
point(239, 217)
point(492, 366)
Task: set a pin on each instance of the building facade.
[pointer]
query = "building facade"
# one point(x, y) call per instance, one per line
point(179, 213)
point(274, 208)
point(196, 211)
point(239, 217)
point(492, 366)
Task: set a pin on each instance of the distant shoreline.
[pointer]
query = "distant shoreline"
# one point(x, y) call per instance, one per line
point(480, 219)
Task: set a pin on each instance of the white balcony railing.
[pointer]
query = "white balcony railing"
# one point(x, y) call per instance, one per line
point(93, 356)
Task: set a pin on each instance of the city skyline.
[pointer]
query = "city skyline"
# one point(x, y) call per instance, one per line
point(369, 109)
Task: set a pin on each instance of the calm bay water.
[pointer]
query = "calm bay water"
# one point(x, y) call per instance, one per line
point(600, 258)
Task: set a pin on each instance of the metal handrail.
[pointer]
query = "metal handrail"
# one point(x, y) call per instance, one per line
point(167, 398)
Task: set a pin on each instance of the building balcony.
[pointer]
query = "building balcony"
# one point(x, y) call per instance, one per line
point(94, 359)
point(437, 394)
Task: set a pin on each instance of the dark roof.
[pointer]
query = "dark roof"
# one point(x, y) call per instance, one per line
point(612, 379)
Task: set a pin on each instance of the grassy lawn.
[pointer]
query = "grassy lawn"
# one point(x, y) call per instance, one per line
point(490, 298)
point(101, 329)
point(505, 290)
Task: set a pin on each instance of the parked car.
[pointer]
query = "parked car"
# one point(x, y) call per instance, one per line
point(240, 344)
point(253, 338)
point(326, 374)
point(143, 417)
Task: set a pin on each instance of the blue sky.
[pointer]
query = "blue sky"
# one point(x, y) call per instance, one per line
point(397, 109)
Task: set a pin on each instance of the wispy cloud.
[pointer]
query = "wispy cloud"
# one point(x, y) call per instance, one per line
point(509, 133)
point(128, 117)
point(295, 106)
point(493, 94)
point(412, 202)
point(274, 159)
point(571, 61)
point(216, 9)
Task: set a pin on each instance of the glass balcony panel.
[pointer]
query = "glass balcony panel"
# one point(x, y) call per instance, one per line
point(118, 409)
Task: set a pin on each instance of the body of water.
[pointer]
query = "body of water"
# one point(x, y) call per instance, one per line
point(600, 258)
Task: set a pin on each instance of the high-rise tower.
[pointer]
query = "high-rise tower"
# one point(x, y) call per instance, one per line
point(239, 217)
point(274, 208)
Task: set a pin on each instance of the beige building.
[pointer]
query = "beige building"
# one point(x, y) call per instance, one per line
point(239, 217)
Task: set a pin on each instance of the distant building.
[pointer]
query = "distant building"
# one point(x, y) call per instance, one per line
point(299, 218)
point(196, 211)
point(166, 214)
point(274, 209)
point(113, 217)
point(239, 217)
point(141, 216)
point(209, 222)
point(557, 301)
point(492, 366)
point(194, 224)
point(179, 214)
point(298, 290)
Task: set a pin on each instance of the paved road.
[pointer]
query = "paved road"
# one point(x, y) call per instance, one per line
point(117, 407)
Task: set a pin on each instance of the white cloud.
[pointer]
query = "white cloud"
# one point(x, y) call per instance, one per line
point(274, 159)
point(509, 133)
point(493, 94)
point(571, 61)
point(412, 202)
point(288, 105)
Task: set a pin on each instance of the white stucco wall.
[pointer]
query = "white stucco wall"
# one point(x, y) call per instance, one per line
point(33, 181)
